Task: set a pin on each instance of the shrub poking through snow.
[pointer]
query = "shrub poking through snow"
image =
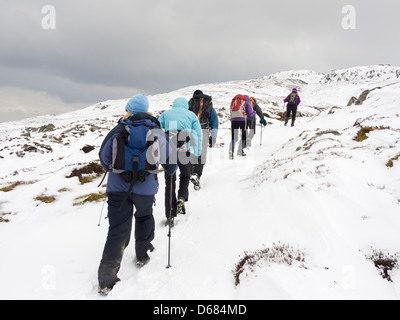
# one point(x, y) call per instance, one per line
point(362, 134)
point(278, 253)
point(384, 262)
point(390, 162)
point(44, 198)
point(13, 185)
point(87, 173)
point(92, 197)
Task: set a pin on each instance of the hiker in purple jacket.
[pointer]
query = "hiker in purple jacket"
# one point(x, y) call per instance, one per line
point(240, 123)
point(293, 101)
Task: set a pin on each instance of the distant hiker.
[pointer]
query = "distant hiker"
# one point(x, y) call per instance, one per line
point(203, 108)
point(182, 127)
point(293, 100)
point(240, 110)
point(251, 120)
point(131, 188)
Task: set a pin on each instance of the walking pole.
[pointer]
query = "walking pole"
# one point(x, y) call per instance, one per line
point(261, 135)
point(170, 221)
point(283, 113)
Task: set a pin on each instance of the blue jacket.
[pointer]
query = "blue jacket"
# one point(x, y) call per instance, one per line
point(116, 183)
point(180, 118)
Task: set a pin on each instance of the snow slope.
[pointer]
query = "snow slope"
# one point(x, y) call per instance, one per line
point(311, 187)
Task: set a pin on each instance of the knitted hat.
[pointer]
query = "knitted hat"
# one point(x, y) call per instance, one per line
point(138, 104)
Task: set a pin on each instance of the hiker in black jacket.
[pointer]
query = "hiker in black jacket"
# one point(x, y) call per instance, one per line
point(251, 121)
point(202, 106)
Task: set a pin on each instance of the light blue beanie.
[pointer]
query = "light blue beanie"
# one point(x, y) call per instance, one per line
point(138, 104)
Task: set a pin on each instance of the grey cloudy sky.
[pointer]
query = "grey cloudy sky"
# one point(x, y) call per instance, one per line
point(103, 49)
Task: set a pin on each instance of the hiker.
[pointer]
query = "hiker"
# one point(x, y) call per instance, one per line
point(183, 128)
point(251, 121)
point(203, 108)
point(240, 110)
point(123, 197)
point(293, 101)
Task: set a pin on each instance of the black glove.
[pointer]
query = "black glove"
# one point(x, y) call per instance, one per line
point(211, 141)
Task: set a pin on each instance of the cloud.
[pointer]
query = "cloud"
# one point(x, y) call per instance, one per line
point(16, 103)
point(112, 49)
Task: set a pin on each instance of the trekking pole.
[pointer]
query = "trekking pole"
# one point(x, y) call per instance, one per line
point(102, 208)
point(283, 114)
point(261, 135)
point(170, 221)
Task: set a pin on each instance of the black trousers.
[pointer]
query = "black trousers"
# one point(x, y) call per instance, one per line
point(119, 233)
point(235, 127)
point(291, 109)
point(183, 191)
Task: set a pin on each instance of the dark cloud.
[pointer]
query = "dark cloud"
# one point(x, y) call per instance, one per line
point(111, 49)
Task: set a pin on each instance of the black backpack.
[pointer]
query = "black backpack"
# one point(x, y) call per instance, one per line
point(201, 105)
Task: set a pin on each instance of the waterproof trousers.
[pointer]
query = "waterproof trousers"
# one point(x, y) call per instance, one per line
point(119, 233)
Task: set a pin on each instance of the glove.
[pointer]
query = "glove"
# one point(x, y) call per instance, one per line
point(263, 122)
point(211, 142)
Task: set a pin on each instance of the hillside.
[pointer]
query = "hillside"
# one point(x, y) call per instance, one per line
point(313, 207)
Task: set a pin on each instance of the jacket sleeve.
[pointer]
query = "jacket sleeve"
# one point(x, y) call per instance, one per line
point(196, 127)
point(298, 101)
point(258, 111)
point(249, 110)
point(214, 123)
point(287, 98)
point(170, 166)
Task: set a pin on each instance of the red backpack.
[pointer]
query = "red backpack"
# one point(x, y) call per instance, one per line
point(238, 106)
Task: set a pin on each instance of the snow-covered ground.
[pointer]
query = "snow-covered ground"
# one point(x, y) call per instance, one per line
point(310, 189)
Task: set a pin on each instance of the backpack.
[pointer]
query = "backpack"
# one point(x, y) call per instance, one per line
point(135, 152)
point(201, 105)
point(293, 98)
point(238, 106)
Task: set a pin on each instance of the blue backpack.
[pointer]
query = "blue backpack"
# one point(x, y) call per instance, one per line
point(135, 150)
point(135, 153)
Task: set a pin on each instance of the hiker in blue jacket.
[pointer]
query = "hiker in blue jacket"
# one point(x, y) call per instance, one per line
point(121, 204)
point(183, 127)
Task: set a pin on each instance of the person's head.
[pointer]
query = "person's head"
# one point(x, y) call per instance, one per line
point(137, 104)
point(197, 92)
point(294, 90)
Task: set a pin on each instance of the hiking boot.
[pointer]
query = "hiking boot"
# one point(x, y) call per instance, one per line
point(151, 247)
point(168, 221)
point(241, 153)
point(196, 181)
point(180, 206)
point(142, 262)
point(231, 154)
point(104, 291)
